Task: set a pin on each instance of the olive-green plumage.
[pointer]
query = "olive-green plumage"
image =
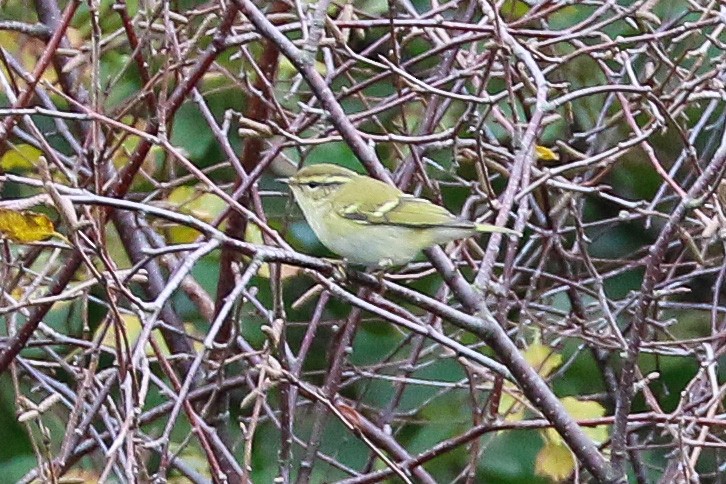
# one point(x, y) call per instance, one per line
point(370, 222)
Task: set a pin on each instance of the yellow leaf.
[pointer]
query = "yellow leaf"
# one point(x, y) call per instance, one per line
point(545, 154)
point(204, 206)
point(542, 358)
point(25, 227)
point(132, 329)
point(189, 200)
point(181, 234)
point(586, 410)
point(581, 410)
point(287, 70)
point(17, 293)
point(554, 461)
point(511, 407)
point(181, 195)
point(21, 157)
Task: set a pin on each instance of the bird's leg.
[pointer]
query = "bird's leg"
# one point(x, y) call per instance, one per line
point(340, 270)
point(380, 271)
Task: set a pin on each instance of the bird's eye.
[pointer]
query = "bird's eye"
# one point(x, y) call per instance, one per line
point(313, 185)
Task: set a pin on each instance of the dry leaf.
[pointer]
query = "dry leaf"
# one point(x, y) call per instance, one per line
point(722, 194)
point(350, 414)
point(25, 227)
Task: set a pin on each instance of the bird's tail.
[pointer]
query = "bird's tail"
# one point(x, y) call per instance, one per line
point(496, 228)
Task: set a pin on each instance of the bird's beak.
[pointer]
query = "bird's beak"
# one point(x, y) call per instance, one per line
point(286, 181)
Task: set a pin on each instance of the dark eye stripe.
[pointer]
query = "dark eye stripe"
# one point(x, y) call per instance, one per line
point(320, 181)
point(321, 184)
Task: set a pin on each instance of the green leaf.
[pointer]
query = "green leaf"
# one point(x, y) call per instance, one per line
point(21, 157)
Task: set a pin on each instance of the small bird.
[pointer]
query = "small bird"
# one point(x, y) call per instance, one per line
point(371, 223)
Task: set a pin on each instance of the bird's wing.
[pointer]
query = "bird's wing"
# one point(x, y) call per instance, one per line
point(383, 204)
